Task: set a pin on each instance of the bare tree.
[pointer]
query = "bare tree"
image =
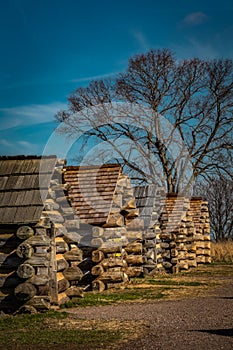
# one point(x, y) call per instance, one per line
point(195, 137)
point(219, 193)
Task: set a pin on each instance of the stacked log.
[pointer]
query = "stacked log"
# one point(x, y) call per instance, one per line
point(177, 232)
point(108, 258)
point(206, 231)
point(185, 233)
point(170, 218)
point(149, 200)
point(25, 268)
point(200, 214)
point(116, 262)
point(195, 207)
point(186, 252)
point(159, 250)
point(67, 256)
point(9, 262)
point(41, 262)
point(118, 242)
point(203, 237)
point(34, 291)
point(59, 257)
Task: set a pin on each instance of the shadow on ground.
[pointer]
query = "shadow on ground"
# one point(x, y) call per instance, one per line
point(223, 332)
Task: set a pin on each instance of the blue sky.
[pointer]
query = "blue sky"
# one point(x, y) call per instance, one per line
point(49, 48)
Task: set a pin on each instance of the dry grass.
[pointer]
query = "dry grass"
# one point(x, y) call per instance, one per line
point(222, 251)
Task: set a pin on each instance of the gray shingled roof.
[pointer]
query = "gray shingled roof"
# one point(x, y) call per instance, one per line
point(23, 181)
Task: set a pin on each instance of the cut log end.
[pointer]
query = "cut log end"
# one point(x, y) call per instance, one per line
point(24, 232)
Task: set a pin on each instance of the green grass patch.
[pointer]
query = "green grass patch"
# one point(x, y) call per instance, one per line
point(108, 298)
point(33, 330)
point(210, 270)
point(29, 321)
point(174, 283)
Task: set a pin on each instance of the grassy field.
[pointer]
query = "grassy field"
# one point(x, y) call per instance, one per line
point(222, 251)
point(52, 330)
point(60, 330)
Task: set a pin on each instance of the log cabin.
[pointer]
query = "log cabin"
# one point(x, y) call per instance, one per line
point(65, 230)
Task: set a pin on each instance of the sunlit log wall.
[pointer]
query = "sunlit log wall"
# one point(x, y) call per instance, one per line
point(185, 233)
point(60, 257)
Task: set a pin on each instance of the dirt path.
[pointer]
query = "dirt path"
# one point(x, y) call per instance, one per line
point(191, 324)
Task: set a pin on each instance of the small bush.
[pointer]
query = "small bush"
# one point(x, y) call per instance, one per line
point(222, 251)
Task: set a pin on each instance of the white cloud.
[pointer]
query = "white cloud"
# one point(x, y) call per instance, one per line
point(94, 77)
point(28, 115)
point(195, 18)
point(141, 39)
point(5, 143)
point(25, 144)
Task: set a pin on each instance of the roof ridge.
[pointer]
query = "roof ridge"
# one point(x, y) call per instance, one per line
point(100, 166)
point(22, 157)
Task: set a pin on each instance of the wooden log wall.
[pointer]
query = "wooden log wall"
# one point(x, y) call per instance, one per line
point(206, 231)
point(172, 235)
point(149, 200)
point(185, 236)
point(202, 234)
point(24, 267)
point(67, 257)
point(184, 241)
point(39, 263)
point(118, 243)
point(58, 258)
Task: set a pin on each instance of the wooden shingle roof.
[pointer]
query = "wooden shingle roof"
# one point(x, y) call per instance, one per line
point(145, 201)
point(24, 182)
point(91, 189)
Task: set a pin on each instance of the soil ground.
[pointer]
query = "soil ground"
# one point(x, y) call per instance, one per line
point(194, 313)
point(184, 322)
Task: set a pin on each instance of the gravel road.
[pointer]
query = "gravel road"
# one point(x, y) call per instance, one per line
point(204, 323)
